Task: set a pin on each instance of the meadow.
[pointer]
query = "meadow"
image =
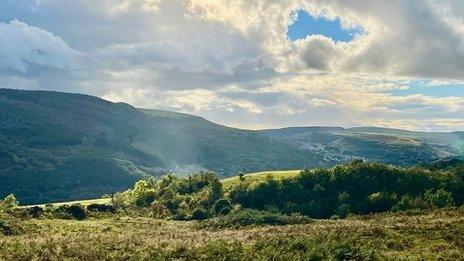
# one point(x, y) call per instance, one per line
point(357, 211)
point(414, 235)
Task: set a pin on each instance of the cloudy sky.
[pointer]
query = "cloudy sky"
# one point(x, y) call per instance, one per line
point(248, 63)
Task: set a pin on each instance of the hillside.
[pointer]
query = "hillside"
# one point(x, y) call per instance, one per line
point(375, 144)
point(61, 146)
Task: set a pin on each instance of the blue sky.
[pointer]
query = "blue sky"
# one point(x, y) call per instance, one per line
point(307, 24)
point(436, 90)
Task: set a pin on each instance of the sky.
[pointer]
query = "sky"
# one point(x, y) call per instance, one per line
point(248, 63)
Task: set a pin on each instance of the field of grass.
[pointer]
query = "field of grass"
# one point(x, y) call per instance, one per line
point(81, 202)
point(430, 235)
point(259, 176)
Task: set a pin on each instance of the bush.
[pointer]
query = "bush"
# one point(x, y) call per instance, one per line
point(8, 203)
point(249, 217)
point(439, 198)
point(200, 214)
point(159, 210)
point(35, 212)
point(380, 202)
point(358, 188)
point(222, 206)
point(409, 203)
point(343, 210)
point(70, 212)
point(101, 208)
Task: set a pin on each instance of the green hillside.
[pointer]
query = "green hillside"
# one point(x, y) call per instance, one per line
point(61, 146)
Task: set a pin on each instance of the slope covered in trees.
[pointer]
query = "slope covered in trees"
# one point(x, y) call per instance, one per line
point(60, 146)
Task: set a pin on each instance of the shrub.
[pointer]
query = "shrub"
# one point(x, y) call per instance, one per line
point(200, 214)
point(9, 203)
point(35, 212)
point(101, 208)
point(249, 217)
point(380, 202)
point(222, 206)
point(408, 203)
point(159, 210)
point(343, 210)
point(439, 198)
point(70, 212)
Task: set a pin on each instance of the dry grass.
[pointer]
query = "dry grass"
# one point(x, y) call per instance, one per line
point(432, 235)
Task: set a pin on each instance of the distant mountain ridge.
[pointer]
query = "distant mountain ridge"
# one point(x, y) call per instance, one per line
point(61, 146)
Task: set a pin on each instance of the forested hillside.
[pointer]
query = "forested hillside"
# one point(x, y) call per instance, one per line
point(60, 146)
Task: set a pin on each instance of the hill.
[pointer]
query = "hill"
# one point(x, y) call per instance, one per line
point(62, 146)
point(391, 146)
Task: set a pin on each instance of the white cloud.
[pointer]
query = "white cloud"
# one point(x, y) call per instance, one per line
point(23, 45)
point(231, 61)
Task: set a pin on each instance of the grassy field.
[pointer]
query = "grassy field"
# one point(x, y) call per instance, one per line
point(431, 235)
point(256, 177)
point(81, 202)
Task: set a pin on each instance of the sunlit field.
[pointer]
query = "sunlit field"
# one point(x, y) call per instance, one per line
point(426, 235)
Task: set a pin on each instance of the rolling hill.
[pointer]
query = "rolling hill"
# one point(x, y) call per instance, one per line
point(62, 146)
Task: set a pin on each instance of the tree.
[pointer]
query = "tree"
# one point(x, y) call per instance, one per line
point(9, 202)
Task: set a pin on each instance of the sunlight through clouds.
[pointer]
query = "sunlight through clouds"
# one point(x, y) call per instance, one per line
point(233, 62)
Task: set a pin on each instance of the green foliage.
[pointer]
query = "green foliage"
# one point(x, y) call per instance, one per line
point(357, 188)
point(439, 198)
point(35, 211)
point(250, 217)
point(222, 206)
point(70, 212)
point(8, 203)
point(179, 198)
point(60, 146)
point(101, 208)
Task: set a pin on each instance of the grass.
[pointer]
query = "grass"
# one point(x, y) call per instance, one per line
point(431, 235)
point(260, 176)
point(81, 202)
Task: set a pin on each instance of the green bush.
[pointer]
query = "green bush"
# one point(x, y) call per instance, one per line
point(200, 214)
point(35, 212)
point(8, 203)
point(70, 212)
point(175, 197)
point(222, 206)
point(439, 198)
point(249, 217)
point(101, 208)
